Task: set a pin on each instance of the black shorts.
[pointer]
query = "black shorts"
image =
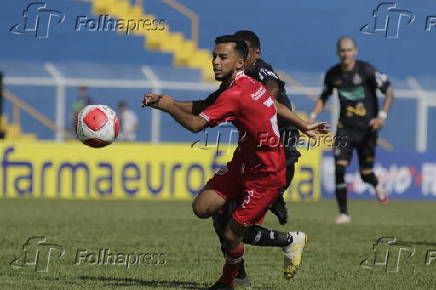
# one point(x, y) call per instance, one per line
point(364, 141)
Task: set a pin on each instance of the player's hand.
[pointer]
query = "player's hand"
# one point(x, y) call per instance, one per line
point(316, 128)
point(376, 123)
point(160, 102)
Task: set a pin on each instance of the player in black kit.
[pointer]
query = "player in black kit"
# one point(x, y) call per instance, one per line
point(359, 120)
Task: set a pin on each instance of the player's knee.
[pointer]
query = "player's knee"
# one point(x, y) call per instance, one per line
point(200, 210)
point(340, 173)
point(230, 238)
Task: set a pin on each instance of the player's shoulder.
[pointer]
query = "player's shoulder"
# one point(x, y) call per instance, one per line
point(242, 80)
point(334, 70)
point(261, 70)
point(365, 67)
point(260, 63)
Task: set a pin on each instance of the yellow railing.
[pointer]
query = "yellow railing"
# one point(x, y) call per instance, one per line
point(18, 105)
point(195, 20)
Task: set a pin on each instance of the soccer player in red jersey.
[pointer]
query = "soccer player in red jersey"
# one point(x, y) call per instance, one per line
point(256, 173)
point(288, 121)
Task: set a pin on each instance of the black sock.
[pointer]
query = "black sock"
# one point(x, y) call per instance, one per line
point(241, 274)
point(370, 178)
point(341, 198)
point(259, 236)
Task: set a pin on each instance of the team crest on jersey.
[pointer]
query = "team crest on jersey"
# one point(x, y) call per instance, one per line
point(357, 80)
point(337, 82)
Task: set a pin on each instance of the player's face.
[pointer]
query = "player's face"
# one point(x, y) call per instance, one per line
point(253, 54)
point(226, 61)
point(347, 52)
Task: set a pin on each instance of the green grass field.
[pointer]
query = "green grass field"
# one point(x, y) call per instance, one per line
point(332, 260)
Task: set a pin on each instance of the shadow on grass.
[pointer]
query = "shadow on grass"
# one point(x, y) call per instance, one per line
point(125, 282)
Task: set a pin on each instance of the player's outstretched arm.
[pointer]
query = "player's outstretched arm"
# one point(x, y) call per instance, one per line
point(192, 107)
point(168, 104)
point(291, 116)
point(309, 128)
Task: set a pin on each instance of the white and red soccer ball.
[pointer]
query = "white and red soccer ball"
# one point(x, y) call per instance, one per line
point(97, 126)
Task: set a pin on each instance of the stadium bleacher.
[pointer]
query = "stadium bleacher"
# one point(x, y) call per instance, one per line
point(114, 56)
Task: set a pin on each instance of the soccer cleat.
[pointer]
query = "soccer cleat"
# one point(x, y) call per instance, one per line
point(278, 207)
point(293, 254)
point(219, 286)
point(382, 195)
point(343, 218)
point(243, 283)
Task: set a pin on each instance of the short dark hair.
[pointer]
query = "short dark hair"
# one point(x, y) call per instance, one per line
point(338, 43)
point(250, 36)
point(240, 45)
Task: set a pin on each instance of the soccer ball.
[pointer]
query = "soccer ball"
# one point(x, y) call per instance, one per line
point(97, 126)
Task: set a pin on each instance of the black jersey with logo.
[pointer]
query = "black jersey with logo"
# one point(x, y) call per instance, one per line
point(356, 92)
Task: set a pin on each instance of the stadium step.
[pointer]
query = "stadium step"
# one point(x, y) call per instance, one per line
point(13, 131)
point(185, 52)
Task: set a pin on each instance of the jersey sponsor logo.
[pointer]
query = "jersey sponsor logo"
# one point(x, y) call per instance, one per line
point(352, 94)
point(358, 110)
point(258, 94)
point(337, 82)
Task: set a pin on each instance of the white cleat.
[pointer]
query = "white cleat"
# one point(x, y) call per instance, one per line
point(382, 195)
point(244, 283)
point(293, 254)
point(343, 219)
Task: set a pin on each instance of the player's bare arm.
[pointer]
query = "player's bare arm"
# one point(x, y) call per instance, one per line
point(309, 128)
point(192, 107)
point(379, 121)
point(168, 104)
point(319, 106)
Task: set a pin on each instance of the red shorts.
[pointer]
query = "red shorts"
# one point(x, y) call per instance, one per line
point(247, 195)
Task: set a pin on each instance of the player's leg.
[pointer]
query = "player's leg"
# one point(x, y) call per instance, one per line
point(279, 205)
point(207, 203)
point(343, 153)
point(292, 243)
point(290, 139)
point(366, 153)
point(220, 222)
point(233, 249)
